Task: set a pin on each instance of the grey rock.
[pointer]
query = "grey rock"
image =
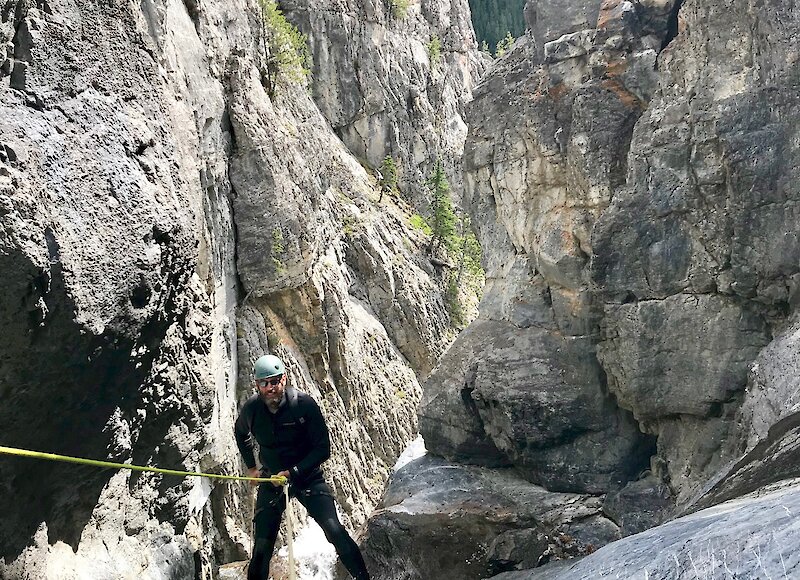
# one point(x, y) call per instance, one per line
point(700, 191)
point(321, 304)
point(516, 549)
point(709, 342)
point(773, 386)
point(162, 223)
point(569, 46)
point(503, 395)
point(639, 191)
point(763, 441)
point(542, 159)
point(639, 205)
point(751, 537)
point(466, 523)
point(640, 505)
point(111, 272)
point(375, 82)
point(548, 21)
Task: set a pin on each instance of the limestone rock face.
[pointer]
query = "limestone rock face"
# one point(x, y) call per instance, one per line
point(542, 161)
point(336, 266)
point(771, 395)
point(117, 294)
point(630, 168)
point(295, 219)
point(703, 331)
point(393, 78)
point(717, 258)
point(163, 222)
point(522, 401)
point(765, 442)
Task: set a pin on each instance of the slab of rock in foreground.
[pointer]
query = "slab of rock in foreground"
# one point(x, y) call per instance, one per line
point(452, 522)
point(752, 537)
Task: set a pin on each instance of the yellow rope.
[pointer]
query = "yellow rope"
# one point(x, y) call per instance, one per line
point(94, 462)
point(290, 533)
point(81, 461)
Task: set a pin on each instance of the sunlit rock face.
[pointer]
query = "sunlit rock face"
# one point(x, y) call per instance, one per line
point(165, 222)
point(545, 155)
point(117, 294)
point(393, 78)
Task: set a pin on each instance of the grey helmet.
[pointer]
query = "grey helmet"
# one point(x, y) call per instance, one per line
point(268, 366)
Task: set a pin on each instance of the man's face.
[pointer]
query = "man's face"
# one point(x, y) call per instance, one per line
point(271, 390)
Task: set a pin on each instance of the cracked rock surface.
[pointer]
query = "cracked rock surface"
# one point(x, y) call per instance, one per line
point(631, 170)
point(164, 222)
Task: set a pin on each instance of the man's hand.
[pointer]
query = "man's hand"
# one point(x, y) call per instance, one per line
point(253, 472)
point(284, 473)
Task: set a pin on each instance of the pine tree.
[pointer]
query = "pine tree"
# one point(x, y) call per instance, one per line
point(442, 217)
point(493, 18)
point(388, 176)
point(468, 251)
point(505, 43)
point(285, 48)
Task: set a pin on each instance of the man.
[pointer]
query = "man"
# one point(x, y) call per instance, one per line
point(293, 441)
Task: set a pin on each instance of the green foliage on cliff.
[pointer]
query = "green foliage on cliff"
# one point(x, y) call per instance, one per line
point(465, 283)
point(453, 242)
point(278, 249)
point(492, 19)
point(434, 52)
point(505, 43)
point(389, 176)
point(442, 219)
point(286, 53)
point(420, 223)
point(399, 8)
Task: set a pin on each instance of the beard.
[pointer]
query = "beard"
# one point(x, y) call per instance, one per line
point(272, 399)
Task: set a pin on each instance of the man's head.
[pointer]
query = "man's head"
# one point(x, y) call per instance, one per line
point(270, 378)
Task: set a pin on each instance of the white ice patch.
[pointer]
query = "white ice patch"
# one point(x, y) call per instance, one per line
point(198, 496)
point(314, 555)
point(413, 450)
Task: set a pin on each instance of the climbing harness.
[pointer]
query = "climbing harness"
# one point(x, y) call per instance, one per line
point(81, 461)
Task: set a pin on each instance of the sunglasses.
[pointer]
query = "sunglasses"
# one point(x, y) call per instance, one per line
point(271, 381)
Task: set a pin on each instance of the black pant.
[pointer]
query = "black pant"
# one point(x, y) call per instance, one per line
point(317, 498)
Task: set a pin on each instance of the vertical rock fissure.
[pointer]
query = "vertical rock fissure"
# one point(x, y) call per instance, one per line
point(672, 24)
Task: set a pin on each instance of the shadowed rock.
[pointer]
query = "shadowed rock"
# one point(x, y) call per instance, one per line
point(503, 396)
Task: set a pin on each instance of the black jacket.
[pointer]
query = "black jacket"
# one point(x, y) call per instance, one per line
point(294, 439)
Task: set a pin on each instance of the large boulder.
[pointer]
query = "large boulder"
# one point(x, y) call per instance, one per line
point(448, 521)
point(504, 396)
point(697, 254)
